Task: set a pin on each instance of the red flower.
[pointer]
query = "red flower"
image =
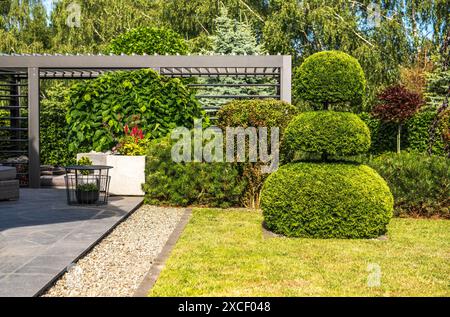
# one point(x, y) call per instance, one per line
point(126, 129)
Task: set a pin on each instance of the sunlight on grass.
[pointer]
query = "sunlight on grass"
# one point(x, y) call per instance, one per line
point(224, 253)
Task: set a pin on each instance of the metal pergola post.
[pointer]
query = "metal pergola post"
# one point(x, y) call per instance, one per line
point(34, 67)
point(34, 162)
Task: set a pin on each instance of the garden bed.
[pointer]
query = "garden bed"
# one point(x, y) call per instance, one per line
point(224, 253)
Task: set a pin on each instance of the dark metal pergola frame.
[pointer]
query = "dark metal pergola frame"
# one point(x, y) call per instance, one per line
point(33, 68)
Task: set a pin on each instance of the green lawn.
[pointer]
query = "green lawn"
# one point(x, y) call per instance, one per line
point(224, 253)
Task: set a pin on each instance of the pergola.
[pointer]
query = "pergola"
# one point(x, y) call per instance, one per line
point(20, 77)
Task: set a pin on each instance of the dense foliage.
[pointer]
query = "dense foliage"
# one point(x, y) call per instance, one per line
point(100, 108)
point(397, 104)
point(331, 78)
point(420, 183)
point(53, 127)
point(327, 133)
point(322, 200)
point(415, 133)
point(189, 183)
point(255, 113)
point(149, 40)
point(233, 37)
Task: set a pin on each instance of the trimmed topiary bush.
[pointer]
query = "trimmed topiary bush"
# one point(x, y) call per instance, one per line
point(149, 40)
point(328, 133)
point(330, 78)
point(255, 113)
point(100, 108)
point(189, 183)
point(323, 200)
point(420, 183)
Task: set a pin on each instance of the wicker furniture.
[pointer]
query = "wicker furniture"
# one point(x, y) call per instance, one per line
point(9, 185)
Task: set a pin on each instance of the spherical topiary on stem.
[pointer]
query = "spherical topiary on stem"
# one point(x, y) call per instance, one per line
point(322, 200)
point(330, 78)
point(327, 133)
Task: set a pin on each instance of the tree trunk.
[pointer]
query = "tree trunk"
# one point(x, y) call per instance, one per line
point(399, 131)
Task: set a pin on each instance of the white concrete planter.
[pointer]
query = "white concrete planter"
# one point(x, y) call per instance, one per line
point(127, 174)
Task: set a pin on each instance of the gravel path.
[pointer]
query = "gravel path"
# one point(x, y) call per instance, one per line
point(117, 265)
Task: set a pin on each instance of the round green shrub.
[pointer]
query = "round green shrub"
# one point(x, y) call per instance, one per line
point(99, 108)
point(328, 133)
point(330, 78)
point(324, 200)
point(255, 113)
point(149, 40)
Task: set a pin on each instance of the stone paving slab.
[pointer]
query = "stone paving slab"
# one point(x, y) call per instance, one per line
point(40, 236)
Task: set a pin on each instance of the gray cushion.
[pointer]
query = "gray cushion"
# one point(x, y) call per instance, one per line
point(7, 173)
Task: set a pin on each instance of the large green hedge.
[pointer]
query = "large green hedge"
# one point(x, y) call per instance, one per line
point(189, 183)
point(98, 109)
point(415, 135)
point(328, 133)
point(53, 127)
point(326, 200)
point(420, 183)
point(149, 40)
point(255, 113)
point(330, 78)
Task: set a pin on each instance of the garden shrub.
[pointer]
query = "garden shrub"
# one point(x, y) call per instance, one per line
point(330, 79)
point(100, 108)
point(255, 113)
point(149, 40)
point(189, 183)
point(420, 183)
point(323, 200)
point(53, 127)
point(328, 133)
point(416, 136)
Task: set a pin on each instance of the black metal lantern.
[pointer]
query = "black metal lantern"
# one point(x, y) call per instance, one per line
point(87, 184)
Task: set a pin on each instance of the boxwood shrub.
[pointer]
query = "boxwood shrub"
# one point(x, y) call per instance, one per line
point(328, 133)
point(420, 183)
point(99, 108)
point(330, 78)
point(255, 113)
point(326, 200)
point(192, 183)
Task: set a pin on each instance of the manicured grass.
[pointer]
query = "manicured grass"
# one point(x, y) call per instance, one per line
point(224, 253)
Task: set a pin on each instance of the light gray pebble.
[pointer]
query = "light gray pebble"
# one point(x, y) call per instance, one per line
point(117, 265)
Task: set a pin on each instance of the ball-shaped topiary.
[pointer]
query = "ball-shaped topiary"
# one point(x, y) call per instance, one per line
point(149, 40)
point(328, 133)
point(328, 78)
point(323, 200)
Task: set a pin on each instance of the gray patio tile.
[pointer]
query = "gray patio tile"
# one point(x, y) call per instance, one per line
point(40, 235)
point(23, 285)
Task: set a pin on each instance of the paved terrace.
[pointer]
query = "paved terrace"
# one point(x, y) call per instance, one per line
point(40, 235)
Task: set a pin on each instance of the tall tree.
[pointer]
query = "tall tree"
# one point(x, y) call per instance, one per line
point(99, 22)
point(23, 27)
point(193, 17)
